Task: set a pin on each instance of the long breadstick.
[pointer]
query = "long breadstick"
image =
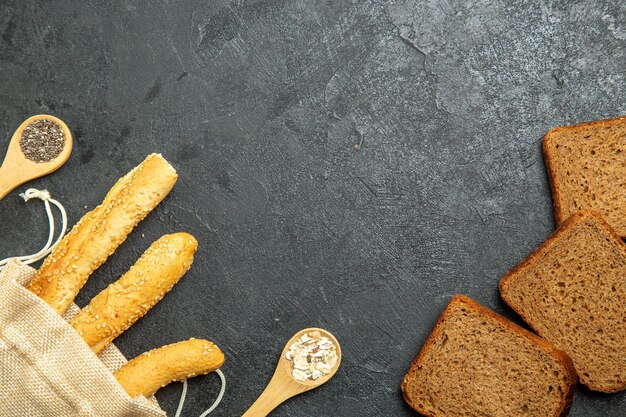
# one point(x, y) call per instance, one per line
point(96, 236)
point(148, 372)
point(122, 303)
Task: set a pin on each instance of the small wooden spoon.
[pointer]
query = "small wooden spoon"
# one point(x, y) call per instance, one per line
point(283, 386)
point(17, 169)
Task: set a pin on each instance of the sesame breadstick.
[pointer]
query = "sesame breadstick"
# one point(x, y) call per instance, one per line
point(96, 236)
point(123, 302)
point(148, 372)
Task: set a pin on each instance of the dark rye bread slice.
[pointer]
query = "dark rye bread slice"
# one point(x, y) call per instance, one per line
point(586, 165)
point(477, 363)
point(572, 291)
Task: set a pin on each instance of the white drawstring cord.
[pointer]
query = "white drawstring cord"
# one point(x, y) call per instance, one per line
point(217, 401)
point(44, 196)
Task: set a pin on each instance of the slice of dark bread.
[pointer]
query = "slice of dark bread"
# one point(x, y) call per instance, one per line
point(477, 363)
point(572, 291)
point(586, 165)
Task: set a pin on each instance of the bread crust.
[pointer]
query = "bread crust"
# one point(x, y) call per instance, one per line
point(98, 233)
point(550, 158)
point(125, 301)
point(543, 249)
point(561, 357)
point(145, 374)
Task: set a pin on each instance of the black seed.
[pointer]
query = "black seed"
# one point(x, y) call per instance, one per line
point(42, 141)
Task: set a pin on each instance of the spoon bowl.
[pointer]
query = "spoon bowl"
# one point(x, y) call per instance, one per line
point(283, 385)
point(17, 169)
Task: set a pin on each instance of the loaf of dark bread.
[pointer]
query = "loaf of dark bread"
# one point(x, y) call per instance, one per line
point(586, 165)
point(572, 291)
point(477, 363)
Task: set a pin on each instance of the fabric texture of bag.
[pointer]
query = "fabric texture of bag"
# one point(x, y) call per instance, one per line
point(46, 369)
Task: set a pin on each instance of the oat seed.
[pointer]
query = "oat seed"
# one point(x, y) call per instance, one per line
point(312, 356)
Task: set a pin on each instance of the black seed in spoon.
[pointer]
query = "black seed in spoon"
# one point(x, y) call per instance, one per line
point(42, 141)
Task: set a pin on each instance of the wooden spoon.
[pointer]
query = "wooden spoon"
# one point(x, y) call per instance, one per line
point(17, 169)
point(283, 386)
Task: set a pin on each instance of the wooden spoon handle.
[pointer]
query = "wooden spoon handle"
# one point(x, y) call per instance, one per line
point(13, 173)
point(269, 400)
point(8, 181)
point(277, 391)
point(261, 407)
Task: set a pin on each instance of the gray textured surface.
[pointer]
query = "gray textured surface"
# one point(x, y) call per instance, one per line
point(259, 104)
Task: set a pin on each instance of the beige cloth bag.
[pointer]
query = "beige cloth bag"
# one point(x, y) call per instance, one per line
point(46, 369)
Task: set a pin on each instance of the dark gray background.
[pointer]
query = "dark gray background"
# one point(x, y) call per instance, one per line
point(259, 104)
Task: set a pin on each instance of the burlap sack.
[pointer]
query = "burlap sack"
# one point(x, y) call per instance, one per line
point(46, 369)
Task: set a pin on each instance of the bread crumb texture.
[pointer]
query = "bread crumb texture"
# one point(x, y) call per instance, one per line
point(476, 363)
point(572, 291)
point(587, 168)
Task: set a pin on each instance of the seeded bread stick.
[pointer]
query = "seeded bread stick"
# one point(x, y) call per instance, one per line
point(148, 372)
point(96, 236)
point(123, 302)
